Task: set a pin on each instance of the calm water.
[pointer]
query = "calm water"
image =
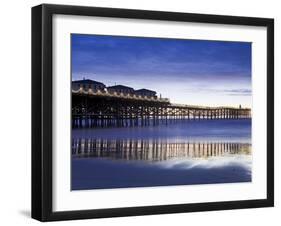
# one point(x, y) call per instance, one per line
point(190, 152)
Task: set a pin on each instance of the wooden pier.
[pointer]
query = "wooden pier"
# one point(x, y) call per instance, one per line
point(102, 109)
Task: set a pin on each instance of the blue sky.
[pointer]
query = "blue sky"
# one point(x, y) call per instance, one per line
point(199, 72)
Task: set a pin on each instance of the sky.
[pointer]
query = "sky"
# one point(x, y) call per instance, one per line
point(194, 72)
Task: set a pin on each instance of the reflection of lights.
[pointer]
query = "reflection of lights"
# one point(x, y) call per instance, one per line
point(98, 92)
point(158, 150)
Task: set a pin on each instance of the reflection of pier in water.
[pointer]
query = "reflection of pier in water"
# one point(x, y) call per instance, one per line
point(154, 150)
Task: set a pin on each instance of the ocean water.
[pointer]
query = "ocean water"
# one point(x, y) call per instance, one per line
point(181, 153)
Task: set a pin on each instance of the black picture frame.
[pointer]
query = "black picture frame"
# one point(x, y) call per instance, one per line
point(42, 111)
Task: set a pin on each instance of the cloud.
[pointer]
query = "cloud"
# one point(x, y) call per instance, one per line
point(195, 59)
point(238, 92)
point(228, 92)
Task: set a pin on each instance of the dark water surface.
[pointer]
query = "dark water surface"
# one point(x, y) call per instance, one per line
point(190, 152)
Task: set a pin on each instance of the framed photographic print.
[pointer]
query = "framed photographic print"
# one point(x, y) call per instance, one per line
point(145, 112)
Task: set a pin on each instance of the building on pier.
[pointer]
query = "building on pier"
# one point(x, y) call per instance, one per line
point(121, 89)
point(146, 92)
point(87, 84)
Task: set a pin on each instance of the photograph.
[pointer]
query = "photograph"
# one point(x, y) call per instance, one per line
point(149, 111)
point(140, 112)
